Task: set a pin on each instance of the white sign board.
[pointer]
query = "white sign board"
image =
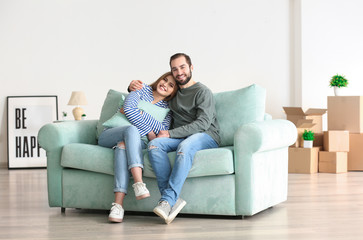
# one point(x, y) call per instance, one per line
point(26, 115)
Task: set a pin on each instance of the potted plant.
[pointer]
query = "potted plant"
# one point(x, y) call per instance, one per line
point(338, 81)
point(84, 116)
point(308, 137)
point(64, 114)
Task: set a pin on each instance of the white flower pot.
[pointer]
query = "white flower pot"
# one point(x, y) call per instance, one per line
point(308, 144)
point(337, 91)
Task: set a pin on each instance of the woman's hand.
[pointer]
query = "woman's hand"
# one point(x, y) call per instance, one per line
point(122, 110)
point(135, 85)
point(151, 135)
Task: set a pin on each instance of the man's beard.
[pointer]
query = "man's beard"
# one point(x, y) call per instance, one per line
point(186, 80)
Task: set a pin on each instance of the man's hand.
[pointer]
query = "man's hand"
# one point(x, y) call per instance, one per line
point(163, 133)
point(135, 85)
point(151, 135)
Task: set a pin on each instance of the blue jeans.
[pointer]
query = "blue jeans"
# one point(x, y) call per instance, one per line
point(126, 157)
point(170, 181)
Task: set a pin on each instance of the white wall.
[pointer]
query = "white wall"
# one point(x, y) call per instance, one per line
point(53, 47)
point(290, 47)
point(332, 37)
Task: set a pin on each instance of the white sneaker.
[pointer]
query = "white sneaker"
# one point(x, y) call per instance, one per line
point(178, 206)
point(116, 213)
point(140, 190)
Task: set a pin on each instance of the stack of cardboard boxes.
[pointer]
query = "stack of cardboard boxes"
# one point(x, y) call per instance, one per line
point(335, 151)
point(346, 113)
point(334, 158)
point(305, 160)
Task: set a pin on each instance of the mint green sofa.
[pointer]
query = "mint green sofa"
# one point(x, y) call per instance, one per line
point(245, 175)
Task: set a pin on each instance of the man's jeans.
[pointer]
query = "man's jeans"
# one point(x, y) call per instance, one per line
point(170, 181)
point(125, 157)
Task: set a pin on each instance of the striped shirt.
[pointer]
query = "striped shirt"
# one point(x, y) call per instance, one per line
point(143, 121)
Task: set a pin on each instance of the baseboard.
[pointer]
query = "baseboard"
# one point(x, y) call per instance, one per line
point(3, 165)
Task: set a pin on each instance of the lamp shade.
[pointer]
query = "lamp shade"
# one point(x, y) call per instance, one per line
point(77, 98)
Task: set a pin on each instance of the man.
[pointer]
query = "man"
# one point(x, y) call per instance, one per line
point(194, 128)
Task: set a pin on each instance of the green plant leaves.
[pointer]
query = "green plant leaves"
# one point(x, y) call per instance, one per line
point(308, 135)
point(338, 81)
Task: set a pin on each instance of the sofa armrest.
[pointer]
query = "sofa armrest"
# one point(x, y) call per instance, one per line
point(267, 117)
point(52, 137)
point(266, 135)
point(261, 164)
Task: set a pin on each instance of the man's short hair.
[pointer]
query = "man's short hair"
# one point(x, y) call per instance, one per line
point(177, 55)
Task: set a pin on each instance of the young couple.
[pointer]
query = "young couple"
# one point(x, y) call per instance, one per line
point(194, 127)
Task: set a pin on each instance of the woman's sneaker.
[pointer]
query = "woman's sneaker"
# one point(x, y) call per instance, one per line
point(140, 190)
point(116, 213)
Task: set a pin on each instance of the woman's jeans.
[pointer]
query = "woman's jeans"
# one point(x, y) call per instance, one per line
point(125, 157)
point(170, 181)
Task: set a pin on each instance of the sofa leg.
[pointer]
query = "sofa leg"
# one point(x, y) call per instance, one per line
point(63, 210)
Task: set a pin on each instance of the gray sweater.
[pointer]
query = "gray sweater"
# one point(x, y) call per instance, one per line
point(194, 112)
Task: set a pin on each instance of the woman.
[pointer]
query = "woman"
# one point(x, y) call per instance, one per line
point(127, 142)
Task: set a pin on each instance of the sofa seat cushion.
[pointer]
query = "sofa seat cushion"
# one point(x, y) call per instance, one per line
point(88, 157)
point(209, 162)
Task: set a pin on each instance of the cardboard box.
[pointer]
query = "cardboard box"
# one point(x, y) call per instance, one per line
point(319, 140)
point(302, 124)
point(345, 113)
point(336, 141)
point(355, 155)
point(293, 114)
point(303, 160)
point(333, 162)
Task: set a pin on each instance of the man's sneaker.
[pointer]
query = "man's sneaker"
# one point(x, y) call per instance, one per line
point(140, 190)
point(162, 209)
point(178, 206)
point(116, 213)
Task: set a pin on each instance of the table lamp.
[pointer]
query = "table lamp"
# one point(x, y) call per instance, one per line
point(77, 98)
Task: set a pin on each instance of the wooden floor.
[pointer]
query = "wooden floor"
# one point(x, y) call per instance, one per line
point(320, 206)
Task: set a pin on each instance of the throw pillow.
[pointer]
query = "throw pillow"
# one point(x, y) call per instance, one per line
point(119, 119)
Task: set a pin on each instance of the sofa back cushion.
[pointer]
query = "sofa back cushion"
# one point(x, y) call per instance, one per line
point(234, 108)
point(109, 108)
point(238, 107)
